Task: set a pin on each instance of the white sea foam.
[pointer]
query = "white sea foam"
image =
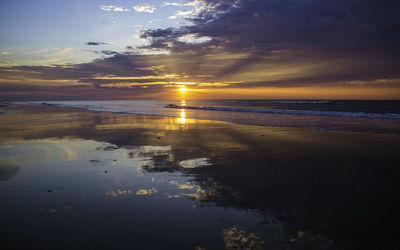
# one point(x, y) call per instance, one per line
point(292, 112)
point(301, 102)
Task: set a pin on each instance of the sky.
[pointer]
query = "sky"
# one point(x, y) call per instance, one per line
point(200, 49)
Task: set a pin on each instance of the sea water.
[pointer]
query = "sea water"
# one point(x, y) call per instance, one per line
point(339, 115)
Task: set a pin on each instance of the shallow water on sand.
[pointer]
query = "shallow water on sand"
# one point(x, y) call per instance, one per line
point(339, 115)
point(80, 179)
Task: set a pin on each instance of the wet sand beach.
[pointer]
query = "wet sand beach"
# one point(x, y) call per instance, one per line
point(79, 179)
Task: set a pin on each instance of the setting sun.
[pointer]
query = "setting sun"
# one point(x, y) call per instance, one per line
point(182, 90)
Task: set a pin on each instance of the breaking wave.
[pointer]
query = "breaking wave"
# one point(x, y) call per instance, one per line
point(300, 102)
point(291, 112)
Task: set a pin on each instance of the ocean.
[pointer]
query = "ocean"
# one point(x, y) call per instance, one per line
point(338, 115)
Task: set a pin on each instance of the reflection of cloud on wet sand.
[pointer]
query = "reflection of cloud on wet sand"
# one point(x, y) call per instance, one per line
point(7, 171)
point(118, 192)
point(149, 150)
point(165, 161)
point(199, 194)
point(151, 191)
point(37, 151)
point(203, 194)
point(194, 163)
point(186, 186)
point(240, 239)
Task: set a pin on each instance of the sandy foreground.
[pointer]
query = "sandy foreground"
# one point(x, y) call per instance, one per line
point(72, 178)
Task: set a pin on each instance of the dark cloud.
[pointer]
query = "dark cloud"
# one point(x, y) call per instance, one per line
point(118, 65)
point(361, 32)
point(109, 52)
point(95, 43)
point(264, 25)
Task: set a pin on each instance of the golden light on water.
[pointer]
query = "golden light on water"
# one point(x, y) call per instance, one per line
point(182, 117)
point(182, 114)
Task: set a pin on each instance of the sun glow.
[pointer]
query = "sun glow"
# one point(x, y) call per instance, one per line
point(182, 89)
point(185, 83)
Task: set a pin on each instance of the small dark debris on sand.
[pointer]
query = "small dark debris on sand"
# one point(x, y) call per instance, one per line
point(107, 148)
point(111, 147)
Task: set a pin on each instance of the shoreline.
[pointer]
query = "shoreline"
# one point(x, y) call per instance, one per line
point(393, 125)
